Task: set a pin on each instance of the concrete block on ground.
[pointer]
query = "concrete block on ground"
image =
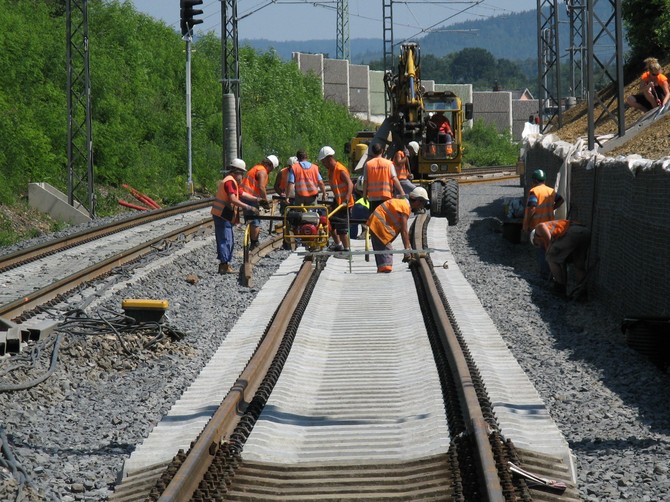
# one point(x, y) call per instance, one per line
point(53, 202)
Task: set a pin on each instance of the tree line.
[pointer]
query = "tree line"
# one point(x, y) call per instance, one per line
point(138, 104)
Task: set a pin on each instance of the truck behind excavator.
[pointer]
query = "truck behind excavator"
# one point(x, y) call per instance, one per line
point(415, 115)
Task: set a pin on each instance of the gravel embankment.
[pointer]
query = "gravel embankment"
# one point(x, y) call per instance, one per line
point(72, 432)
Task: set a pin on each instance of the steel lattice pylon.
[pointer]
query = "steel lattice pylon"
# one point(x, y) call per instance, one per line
point(79, 131)
point(387, 15)
point(576, 10)
point(548, 63)
point(604, 56)
point(230, 69)
point(343, 50)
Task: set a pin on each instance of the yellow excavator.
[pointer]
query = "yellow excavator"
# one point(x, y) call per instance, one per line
point(416, 115)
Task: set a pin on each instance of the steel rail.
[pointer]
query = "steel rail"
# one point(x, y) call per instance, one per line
point(41, 296)
point(34, 253)
point(475, 423)
point(224, 421)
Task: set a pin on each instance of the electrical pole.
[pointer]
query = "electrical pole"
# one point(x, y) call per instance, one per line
point(187, 21)
point(79, 129)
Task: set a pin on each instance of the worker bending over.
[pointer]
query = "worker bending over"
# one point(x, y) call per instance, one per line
point(563, 241)
point(390, 219)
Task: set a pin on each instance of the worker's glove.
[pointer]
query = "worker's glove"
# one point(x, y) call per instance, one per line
point(253, 210)
point(264, 203)
point(407, 258)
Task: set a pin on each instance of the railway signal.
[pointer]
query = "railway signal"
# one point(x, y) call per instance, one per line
point(188, 14)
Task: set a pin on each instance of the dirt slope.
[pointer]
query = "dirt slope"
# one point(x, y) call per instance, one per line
point(653, 143)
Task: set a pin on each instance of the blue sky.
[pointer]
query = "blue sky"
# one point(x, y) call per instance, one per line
point(283, 20)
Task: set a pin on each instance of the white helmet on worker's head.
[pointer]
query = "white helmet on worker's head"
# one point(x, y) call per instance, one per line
point(532, 239)
point(414, 146)
point(326, 151)
point(292, 160)
point(237, 165)
point(273, 160)
point(419, 193)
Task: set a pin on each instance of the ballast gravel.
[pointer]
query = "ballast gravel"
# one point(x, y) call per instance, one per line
point(71, 433)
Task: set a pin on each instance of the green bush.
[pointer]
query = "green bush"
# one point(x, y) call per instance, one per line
point(485, 146)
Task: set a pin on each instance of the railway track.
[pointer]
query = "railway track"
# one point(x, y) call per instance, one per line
point(340, 400)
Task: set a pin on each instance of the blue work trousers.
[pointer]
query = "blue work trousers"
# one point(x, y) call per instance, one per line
point(225, 239)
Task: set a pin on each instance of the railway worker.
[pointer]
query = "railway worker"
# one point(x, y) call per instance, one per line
point(342, 188)
point(563, 241)
point(225, 212)
point(653, 88)
point(401, 161)
point(281, 183)
point(444, 134)
point(254, 194)
point(305, 181)
point(380, 178)
point(540, 206)
point(389, 220)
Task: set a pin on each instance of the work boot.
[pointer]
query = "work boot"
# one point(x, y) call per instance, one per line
point(336, 247)
point(225, 268)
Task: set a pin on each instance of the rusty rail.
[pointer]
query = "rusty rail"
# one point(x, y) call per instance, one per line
point(475, 423)
point(185, 482)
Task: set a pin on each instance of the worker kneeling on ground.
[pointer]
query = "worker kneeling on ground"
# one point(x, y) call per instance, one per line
point(390, 219)
point(564, 241)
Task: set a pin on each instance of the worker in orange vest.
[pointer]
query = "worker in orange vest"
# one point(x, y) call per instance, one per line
point(225, 212)
point(563, 241)
point(401, 161)
point(541, 203)
point(254, 193)
point(342, 188)
point(305, 182)
point(380, 178)
point(389, 220)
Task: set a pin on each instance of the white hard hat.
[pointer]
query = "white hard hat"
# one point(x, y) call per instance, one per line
point(274, 160)
point(238, 164)
point(414, 146)
point(325, 152)
point(292, 160)
point(419, 193)
point(359, 184)
point(532, 238)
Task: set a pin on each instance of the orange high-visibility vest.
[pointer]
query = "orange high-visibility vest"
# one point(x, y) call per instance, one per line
point(306, 180)
point(250, 182)
point(544, 211)
point(387, 220)
point(283, 179)
point(556, 228)
point(222, 198)
point(379, 178)
point(400, 162)
point(338, 184)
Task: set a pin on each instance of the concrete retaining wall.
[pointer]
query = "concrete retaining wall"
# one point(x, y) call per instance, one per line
point(625, 203)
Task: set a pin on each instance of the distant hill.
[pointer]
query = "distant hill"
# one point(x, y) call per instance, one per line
point(510, 36)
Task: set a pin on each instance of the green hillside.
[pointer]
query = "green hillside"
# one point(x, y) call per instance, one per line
point(138, 101)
